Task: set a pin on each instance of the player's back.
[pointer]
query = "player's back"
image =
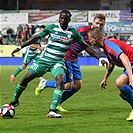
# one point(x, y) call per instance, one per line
point(126, 48)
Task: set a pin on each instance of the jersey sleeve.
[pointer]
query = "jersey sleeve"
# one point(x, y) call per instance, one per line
point(77, 37)
point(83, 29)
point(113, 48)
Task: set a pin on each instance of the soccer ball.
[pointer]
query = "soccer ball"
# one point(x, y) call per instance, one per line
point(7, 111)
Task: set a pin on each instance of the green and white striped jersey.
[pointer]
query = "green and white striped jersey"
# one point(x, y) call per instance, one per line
point(32, 51)
point(59, 42)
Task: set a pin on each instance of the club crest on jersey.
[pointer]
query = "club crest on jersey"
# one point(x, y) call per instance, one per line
point(71, 76)
point(69, 36)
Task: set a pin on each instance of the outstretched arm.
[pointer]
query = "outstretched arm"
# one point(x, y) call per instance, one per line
point(90, 51)
point(37, 47)
point(27, 43)
point(110, 68)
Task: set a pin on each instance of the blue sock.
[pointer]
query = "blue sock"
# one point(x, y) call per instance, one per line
point(67, 94)
point(128, 92)
point(51, 84)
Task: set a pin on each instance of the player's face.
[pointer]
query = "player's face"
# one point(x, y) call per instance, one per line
point(64, 19)
point(94, 40)
point(98, 23)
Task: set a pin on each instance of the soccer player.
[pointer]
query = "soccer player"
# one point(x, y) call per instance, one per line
point(73, 77)
point(32, 52)
point(52, 58)
point(121, 55)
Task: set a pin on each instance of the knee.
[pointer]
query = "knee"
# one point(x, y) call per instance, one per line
point(24, 66)
point(60, 84)
point(119, 83)
point(24, 82)
point(68, 85)
point(26, 79)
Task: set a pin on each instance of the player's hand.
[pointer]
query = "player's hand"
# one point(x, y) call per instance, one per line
point(14, 51)
point(41, 48)
point(103, 84)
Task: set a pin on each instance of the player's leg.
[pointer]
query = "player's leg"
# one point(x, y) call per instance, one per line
point(26, 61)
point(44, 84)
point(58, 74)
point(21, 87)
point(19, 69)
point(68, 79)
point(73, 72)
point(126, 91)
point(35, 70)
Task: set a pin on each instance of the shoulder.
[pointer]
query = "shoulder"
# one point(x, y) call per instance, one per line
point(83, 28)
point(51, 26)
point(73, 30)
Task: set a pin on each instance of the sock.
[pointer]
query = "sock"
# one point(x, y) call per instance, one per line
point(18, 91)
point(56, 98)
point(51, 84)
point(67, 94)
point(18, 71)
point(128, 92)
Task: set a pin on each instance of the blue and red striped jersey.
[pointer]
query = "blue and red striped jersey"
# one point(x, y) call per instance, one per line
point(75, 48)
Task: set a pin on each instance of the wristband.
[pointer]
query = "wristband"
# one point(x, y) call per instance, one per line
point(19, 47)
point(100, 59)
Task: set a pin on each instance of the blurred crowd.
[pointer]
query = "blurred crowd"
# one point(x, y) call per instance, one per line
point(16, 37)
point(24, 32)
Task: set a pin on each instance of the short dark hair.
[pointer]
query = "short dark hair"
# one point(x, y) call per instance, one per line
point(42, 26)
point(96, 32)
point(67, 12)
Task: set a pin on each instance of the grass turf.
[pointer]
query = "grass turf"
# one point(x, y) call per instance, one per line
point(91, 110)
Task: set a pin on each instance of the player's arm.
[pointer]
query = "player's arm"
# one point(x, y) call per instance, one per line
point(90, 51)
point(126, 63)
point(109, 70)
point(27, 43)
point(37, 47)
point(79, 39)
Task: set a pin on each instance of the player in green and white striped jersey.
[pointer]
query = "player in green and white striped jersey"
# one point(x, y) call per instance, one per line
point(51, 60)
point(32, 52)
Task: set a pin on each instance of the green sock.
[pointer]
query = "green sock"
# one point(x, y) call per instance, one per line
point(56, 98)
point(18, 71)
point(18, 91)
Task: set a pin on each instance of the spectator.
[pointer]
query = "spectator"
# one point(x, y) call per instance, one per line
point(31, 30)
point(19, 29)
point(110, 34)
point(1, 38)
point(10, 37)
point(26, 31)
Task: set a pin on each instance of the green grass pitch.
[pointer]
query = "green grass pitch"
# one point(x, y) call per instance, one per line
point(91, 110)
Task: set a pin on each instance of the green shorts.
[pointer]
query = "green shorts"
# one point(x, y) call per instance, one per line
point(40, 67)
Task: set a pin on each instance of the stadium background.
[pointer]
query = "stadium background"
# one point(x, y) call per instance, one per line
point(118, 14)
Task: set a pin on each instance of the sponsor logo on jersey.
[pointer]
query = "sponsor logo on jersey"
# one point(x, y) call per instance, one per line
point(60, 37)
